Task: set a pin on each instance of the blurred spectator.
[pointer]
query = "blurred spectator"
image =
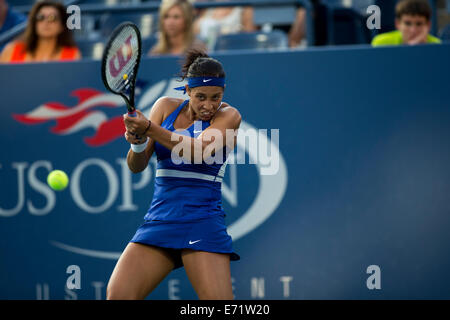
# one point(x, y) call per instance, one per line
point(413, 23)
point(176, 34)
point(9, 18)
point(214, 21)
point(297, 32)
point(46, 37)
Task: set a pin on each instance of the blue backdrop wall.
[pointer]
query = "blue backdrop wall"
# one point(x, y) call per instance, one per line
point(357, 175)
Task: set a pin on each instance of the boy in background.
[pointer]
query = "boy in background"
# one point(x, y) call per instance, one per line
point(413, 23)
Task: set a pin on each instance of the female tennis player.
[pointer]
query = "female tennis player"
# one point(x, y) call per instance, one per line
point(185, 223)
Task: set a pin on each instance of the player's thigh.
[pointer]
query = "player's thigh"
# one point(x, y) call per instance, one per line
point(139, 270)
point(209, 274)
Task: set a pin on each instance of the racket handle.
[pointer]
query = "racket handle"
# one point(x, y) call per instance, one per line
point(133, 114)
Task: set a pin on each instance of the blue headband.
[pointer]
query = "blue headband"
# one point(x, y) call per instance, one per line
point(203, 82)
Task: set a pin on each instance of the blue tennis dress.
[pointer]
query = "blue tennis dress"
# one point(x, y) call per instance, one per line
point(186, 210)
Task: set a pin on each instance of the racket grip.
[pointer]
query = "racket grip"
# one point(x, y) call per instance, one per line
point(133, 114)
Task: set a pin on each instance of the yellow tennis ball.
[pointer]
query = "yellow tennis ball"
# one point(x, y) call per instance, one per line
point(57, 180)
point(125, 76)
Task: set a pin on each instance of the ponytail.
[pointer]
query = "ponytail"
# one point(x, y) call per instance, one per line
point(198, 64)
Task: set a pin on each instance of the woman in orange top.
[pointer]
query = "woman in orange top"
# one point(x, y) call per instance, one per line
point(46, 37)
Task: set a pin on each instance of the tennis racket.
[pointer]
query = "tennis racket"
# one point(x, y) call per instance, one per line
point(120, 63)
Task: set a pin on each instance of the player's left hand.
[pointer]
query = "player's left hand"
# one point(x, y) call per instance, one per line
point(136, 125)
point(133, 139)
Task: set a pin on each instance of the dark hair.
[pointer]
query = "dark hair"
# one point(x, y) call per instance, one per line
point(413, 8)
point(198, 64)
point(30, 37)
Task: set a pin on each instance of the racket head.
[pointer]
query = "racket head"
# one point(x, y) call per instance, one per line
point(120, 62)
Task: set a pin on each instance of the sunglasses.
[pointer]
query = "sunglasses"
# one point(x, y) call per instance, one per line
point(49, 18)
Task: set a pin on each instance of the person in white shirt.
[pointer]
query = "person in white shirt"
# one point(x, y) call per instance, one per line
point(225, 20)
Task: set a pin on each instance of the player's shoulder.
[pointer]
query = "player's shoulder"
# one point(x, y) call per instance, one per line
point(229, 112)
point(168, 104)
point(166, 101)
point(164, 106)
point(227, 109)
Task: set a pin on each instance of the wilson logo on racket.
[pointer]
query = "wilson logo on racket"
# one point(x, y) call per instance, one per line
point(120, 63)
point(120, 59)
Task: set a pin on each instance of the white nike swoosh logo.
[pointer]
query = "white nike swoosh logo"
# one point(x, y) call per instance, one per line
point(192, 242)
point(197, 131)
point(206, 80)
